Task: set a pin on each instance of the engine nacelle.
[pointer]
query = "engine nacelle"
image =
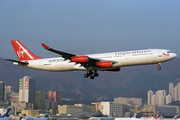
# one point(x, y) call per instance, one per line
point(80, 59)
point(105, 64)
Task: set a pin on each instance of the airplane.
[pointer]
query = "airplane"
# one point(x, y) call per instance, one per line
point(175, 117)
point(5, 114)
point(101, 118)
point(92, 62)
point(33, 118)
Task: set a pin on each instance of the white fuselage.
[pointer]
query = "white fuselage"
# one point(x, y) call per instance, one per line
point(121, 59)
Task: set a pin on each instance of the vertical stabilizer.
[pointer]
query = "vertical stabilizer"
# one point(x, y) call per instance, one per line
point(22, 52)
point(47, 114)
point(5, 113)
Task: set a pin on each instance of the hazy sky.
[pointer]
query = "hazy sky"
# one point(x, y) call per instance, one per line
point(89, 26)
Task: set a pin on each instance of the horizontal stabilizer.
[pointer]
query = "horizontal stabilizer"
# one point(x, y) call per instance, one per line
point(18, 62)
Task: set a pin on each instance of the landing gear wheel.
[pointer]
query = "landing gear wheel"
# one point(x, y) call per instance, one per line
point(92, 77)
point(159, 68)
point(89, 73)
point(96, 74)
point(86, 75)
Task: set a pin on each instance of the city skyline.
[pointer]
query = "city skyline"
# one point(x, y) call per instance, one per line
point(121, 105)
point(172, 96)
point(36, 99)
point(160, 97)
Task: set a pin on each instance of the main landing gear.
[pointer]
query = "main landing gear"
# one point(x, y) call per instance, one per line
point(91, 74)
point(159, 66)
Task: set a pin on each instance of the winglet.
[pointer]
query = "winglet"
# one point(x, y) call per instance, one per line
point(45, 46)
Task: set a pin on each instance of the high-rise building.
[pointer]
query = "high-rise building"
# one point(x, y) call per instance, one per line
point(47, 104)
point(40, 97)
point(49, 96)
point(168, 99)
point(2, 86)
point(159, 98)
point(54, 96)
point(7, 90)
point(136, 101)
point(172, 90)
point(27, 90)
point(109, 108)
point(175, 93)
point(178, 92)
point(149, 96)
point(161, 92)
point(97, 105)
point(12, 96)
point(130, 101)
point(122, 100)
point(153, 101)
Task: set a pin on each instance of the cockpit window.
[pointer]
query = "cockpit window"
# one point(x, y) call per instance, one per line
point(168, 51)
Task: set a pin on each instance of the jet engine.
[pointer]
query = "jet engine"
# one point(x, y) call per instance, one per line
point(80, 59)
point(104, 64)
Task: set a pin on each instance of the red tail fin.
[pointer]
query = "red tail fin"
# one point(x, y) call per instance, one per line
point(22, 52)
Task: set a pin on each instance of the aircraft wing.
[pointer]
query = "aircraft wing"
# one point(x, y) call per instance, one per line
point(63, 54)
point(83, 60)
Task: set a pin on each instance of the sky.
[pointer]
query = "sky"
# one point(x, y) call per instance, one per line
point(89, 26)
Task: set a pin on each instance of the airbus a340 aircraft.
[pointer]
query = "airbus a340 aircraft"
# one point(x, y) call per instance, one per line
point(91, 63)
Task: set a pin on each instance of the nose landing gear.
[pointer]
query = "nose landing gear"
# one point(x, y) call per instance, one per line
point(159, 66)
point(91, 74)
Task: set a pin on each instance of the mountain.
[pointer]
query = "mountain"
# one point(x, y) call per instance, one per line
point(132, 81)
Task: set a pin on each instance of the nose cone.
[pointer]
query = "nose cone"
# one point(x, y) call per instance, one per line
point(173, 55)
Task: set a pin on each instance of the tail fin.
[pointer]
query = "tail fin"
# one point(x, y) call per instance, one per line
point(135, 114)
point(5, 113)
point(149, 116)
point(22, 52)
point(47, 114)
point(175, 117)
point(156, 116)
